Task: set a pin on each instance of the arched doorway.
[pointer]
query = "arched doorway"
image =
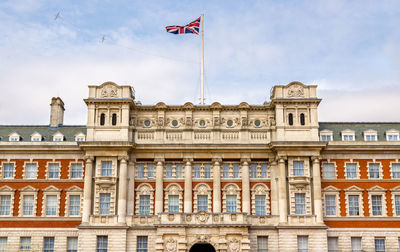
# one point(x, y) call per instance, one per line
point(202, 247)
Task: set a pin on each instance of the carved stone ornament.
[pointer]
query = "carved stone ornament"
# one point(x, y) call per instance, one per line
point(296, 91)
point(170, 245)
point(244, 121)
point(234, 245)
point(203, 238)
point(202, 216)
point(217, 121)
point(109, 91)
point(160, 121)
point(189, 121)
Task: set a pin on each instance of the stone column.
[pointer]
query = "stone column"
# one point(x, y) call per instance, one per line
point(87, 190)
point(317, 190)
point(122, 189)
point(246, 186)
point(217, 185)
point(159, 187)
point(131, 188)
point(274, 188)
point(282, 191)
point(188, 204)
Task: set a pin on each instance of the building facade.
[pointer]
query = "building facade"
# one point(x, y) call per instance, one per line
point(224, 178)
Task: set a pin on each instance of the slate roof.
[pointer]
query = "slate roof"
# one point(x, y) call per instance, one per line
point(47, 132)
point(359, 128)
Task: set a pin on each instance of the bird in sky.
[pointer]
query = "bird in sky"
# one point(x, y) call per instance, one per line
point(102, 39)
point(57, 16)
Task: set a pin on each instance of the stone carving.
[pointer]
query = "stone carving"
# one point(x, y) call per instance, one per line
point(171, 217)
point(217, 121)
point(244, 121)
point(234, 245)
point(170, 245)
point(202, 216)
point(109, 91)
point(203, 238)
point(296, 91)
point(188, 218)
point(132, 121)
point(189, 121)
point(160, 121)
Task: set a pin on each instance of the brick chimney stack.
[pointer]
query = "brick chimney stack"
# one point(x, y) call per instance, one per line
point(56, 112)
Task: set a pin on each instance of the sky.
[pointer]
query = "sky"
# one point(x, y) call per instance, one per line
point(350, 49)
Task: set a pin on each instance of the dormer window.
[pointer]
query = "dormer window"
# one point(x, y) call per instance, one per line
point(58, 137)
point(36, 137)
point(392, 135)
point(370, 135)
point(14, 137)
point(326, 135)
point(348, 135)
point(80, 137)
point(290, 119)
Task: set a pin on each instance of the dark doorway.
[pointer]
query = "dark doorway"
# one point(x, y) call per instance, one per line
point(202, 247)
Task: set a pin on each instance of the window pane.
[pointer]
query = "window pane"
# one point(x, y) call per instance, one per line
point(302, 243)
point(173, 203)
point(104, 203)
point(102, 244)
point(8, 170)
point(376, 205)
point(300, 203)
point(333, 244)
point(51, 205)
point(72, 244)
point(144, 205)
point(74, 205)
point(380, 245)
point(236, 170)
point(356, 244)
point(260, 205)
point(231, 203)
point(397, 204)
point(168, 171)
point(25, 243)
point(150, 171)
point(351, 170)
point(30, 171)
point(330, 205)
point(76, 171)
point(207, 171)
point(28, 205)
point(374, 171)
point(142, 244)
point(264, 171)
point(253, 171)
point(5, 203)
point(54, 171)
point(106, 168)
point(197, 169)
point(353, 205)
point(202, 203)
point(262, 244)
point(298, 168)
point(3, 243)
point(328, 171)
point(225, 171)
point(48, 244)
point(179, 171)
point(395, 170)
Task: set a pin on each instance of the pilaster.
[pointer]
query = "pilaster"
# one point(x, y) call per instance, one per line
point(317, 190)
point(158, 208)
point(87, 190)
point(245, 185)
point(122, 192)
point(274, 188)
point(188, 202)
point(217, 185)
point(283, 212)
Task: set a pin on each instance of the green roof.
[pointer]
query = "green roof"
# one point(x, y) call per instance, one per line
point(359, 128)
point(47, 132)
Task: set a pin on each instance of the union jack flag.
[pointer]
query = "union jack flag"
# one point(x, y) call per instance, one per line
point(192, 27)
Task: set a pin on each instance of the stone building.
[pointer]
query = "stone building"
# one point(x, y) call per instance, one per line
point(226, 178)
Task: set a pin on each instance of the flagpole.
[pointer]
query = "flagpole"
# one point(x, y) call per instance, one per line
point(202, 61)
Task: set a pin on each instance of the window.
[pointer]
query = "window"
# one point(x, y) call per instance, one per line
point(396, 171)
point(298, 168)
point(397, 204)
point(302, 119)
point(302, 243)
point(376, 205)
point(300, 203)
point(354, 205)
point(30, 171)
point(262, 243)
point(72, 244)
point(207, 171)
point(102, 119)
point(48, 244)
point(348, 137)
point(253, 171)
point(104, 203)
point(202, 203)
point(264, 171)
point(225, 171)
point(373, 171)
point(3, 243)
point(102, 244)
point(290, 118)
point(140, 171)
point(54, 171)
point(144, 205)
point(106, 168)
point(197, 169)
point(58, 138)
point(330, 205)
point(236, 170)
point(260, 205)
point(370, 137)
point(25, 243)
point(5, 204)
point(142, 244)
point(333, 244)
point(380, 245)
point(392, 137)
point(27, 205)
point(328, 171)
point(76, 171)
point(326, 138)
point(351, 171)
point(179, 171)
point(173, 203)
point(150, 171)
point(51, 205)
point(168, 172)
point(8, 171)
point(231, 203)
point(114, 119)
point(74, 205)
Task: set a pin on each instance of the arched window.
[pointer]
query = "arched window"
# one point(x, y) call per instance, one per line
point(114, 119)
point(290, 117)
point(144, 200)
point(231, 198)
point(260, 200)
point(202, 198)
point(302, 119)
point(173, 200)
point(102, 119)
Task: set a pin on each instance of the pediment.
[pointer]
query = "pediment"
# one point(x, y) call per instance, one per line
point(376, 189)
point(6, 189)
point(29, 188)
point(395, 189)
point(51, 189)
point(244, 105)
point(161, 105)
point(74, 189)
point(331, 189)
point(353, 189)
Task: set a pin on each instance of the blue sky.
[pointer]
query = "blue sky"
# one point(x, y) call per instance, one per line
point(350, 49)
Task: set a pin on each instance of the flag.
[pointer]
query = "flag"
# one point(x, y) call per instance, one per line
point(192, 27)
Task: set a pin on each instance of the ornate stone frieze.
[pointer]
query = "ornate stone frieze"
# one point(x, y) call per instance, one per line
point(296, 91)
point(234, 245)
point(202, 216)
point(109, 91)
point(170, 245)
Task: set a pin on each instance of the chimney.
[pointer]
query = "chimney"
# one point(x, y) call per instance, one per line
point(56, 112)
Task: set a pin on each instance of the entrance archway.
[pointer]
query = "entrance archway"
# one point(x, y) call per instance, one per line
point(202, 247)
